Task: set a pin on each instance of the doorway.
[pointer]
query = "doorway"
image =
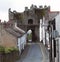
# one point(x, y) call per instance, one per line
point(31, 35)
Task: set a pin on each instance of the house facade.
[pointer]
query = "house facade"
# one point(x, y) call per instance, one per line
point(7, 39)
point(47, 27)
point(12, 37)
point(58, 36)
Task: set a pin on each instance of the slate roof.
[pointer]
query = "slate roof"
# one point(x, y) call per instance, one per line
point(13, 32)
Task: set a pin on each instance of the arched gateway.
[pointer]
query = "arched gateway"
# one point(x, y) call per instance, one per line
point(29, 19)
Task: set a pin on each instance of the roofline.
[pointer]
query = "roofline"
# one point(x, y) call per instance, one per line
point(54, 11)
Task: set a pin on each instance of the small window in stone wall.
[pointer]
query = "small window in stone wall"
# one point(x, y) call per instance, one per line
point(30, 21)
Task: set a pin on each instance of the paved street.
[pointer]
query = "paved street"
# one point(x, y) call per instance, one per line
point(32, 54)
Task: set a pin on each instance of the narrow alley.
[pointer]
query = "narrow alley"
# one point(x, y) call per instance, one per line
point(33, 54)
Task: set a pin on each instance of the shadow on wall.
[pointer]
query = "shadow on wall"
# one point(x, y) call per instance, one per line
point(41, 41)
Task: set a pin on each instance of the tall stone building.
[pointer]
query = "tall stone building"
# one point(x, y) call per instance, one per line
point(30, 19)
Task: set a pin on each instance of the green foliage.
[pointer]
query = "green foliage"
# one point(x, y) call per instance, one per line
point(18, 16)
point(2, 49)
point(40, 13)
point(43, 12)
point(13, 49)
point(7, 49)
point(29, 36)
point(10, 49)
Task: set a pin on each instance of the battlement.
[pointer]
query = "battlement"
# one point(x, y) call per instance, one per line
point(35, 7)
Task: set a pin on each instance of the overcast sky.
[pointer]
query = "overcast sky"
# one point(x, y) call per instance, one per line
point(19, 5)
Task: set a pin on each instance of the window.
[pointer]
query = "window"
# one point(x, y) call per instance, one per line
point(30, 21)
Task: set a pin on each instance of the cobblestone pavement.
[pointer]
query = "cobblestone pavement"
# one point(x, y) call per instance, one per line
point(32, 54)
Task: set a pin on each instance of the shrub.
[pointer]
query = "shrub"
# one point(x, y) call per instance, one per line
point(7, 50)
point(2, 49)
point(10, 49)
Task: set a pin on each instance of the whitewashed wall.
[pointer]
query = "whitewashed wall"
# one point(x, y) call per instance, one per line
point(58, 29)
point(43, 28)
point(40, 29)
point(22, 42)
point(18, 44)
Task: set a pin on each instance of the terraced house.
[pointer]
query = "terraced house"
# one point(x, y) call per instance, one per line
point(12, 36)
point(43, 24)
point(39, 20)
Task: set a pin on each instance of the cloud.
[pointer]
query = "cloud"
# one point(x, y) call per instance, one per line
point(19, 5)
point(4, 5)
point(3, 16)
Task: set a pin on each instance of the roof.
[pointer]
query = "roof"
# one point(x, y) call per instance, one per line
point(13, 32)
point(53, 14)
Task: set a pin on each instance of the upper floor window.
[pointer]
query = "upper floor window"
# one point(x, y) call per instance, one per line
point(30, 21)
